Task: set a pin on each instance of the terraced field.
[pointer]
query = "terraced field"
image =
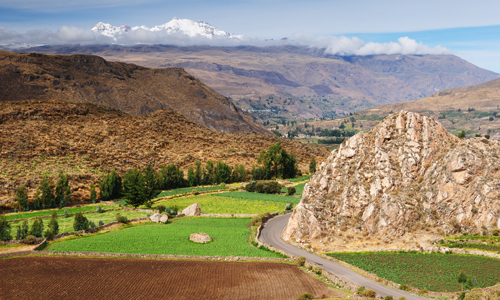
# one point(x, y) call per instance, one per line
point(42, 213)
point(229, 237)
point(434, 272)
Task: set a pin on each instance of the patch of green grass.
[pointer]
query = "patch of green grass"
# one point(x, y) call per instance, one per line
point(259, 196)
point(66, 224)
point(218, 204)
point(190, 189)
point(434, 272)
point(477, 246)
point(42, 213)
point(299, 179)
point(229, 237)
point(299, 189)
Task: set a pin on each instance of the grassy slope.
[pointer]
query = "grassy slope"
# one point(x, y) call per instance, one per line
point(434, 272)
point(230, 237)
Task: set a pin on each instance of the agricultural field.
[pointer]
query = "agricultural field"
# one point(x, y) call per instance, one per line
point(91, 278)
point(474, 246)
point(230, 203)
point(433, 272)
point(66, 224)
point(259, 196)
point(190, 189)
point(229, 235)
point(299, 179)
point(48, 212)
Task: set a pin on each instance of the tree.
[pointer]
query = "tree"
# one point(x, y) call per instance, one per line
point(312, 165)
point(93, 195)
point(462, 278)
point(48, 198)
point(276, 162)
point(208, 175)
point(170, 177)
point(198, 173)
point(191, 177)
point(150, 184)
point(134, 187)
point(80, 222)
point(461, 135)
point(53, 225)
point(4, 229)
point(22, 197)
point(222, 173)
point(239, 173)
point(110, 187)
point(22, 231)
point(63, 190)
point(36, 228)
point(37, 200)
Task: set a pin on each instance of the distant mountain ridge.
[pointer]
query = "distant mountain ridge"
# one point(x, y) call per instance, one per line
point(175, 26)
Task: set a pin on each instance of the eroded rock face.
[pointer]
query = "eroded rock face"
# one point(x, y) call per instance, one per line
point(192, 210)
point(201, 238)
point(407, 174)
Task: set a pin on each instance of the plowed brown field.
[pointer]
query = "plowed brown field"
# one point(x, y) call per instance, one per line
point(115, 278)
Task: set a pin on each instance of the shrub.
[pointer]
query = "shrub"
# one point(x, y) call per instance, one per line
point(66, 213)
point(291, 190)
point(250, 187)
point(257, 220)
point(401, 298)
point(318, 270)
point(403, 287)
point(91, 224)
point(161, 208)
point(461, 296)
point(121, 219)
point(361, 290)
point(267, 187)
point(306, 296)
point(195, 192)
point(388, 298)
point(100, 223)
point(289, 206)
point(301, 261)
point(48, 234)
point(80, 222)
point(99, 209)
point(37, 228)
point(495, 232)
point(4, 229)
point(30, 240)
point(370, 293)
point(422, 291)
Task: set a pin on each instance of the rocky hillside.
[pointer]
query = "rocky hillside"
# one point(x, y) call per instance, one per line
point(130, 88)
point(404, 182)
point(40, 137)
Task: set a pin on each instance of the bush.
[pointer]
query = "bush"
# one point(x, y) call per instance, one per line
point(291, 190)
point(195, 192)
point(401, 298)
point(250, 187)
point(370, 293)
point(99, 209)
point(30, 240)
point(361, 290)
point(495, 232)
point(306, 296)
point(264, 187)
point(404, 287)
point(257, 220)
point(66, 213)
point(48, 234)
point(318, 270)
point(36, 228)
point(80, 222)
point(388, 298)
point(161, 208)
point(289, 206)
point(121, 219)
point(100, 223)
point(301, 261)
point(91, 224)
point(422, 291)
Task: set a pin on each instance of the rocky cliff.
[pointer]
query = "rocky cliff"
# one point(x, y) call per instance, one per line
point(130, 88)
point(406, 181)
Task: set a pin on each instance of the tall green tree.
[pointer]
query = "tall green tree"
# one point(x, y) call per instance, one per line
point(22, 197)
point(134, 187)
point(276, 162)
point(198, 173)
point(110, 187)
point(222, 173)
point(63, 190)
point(48, 198)
point(93, 195)
point(22, 231)
point(151, 184)
point(80, 222)
point(53, 224)
point(191, 177)
point(208, 174)
point(170, 177)
point(37, 201)
point(312, 165)
point(4, 229)
point(36, 228)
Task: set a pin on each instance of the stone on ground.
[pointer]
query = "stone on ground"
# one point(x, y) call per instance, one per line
point(200, 238)
point(192, 210)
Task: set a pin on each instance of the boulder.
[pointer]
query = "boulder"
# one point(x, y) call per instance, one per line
point(201, 238)
point(155, 218)
point(192, 210)
point(164, 218)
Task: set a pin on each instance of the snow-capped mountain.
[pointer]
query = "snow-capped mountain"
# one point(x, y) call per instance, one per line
point(182, 26)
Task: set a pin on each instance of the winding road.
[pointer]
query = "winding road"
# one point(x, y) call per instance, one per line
point(271, 235)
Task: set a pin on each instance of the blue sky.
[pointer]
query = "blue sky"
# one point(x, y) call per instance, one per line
point(469, 29)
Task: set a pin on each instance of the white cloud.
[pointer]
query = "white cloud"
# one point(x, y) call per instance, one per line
point(332, 44)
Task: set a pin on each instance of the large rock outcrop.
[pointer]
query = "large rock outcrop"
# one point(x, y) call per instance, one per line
point(405, 181)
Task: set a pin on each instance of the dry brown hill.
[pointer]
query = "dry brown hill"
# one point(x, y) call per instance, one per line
point(406, 181)
point(41, 137)
point(130, 88)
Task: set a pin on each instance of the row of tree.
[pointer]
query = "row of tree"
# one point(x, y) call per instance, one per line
point(47, 194)
point(24, 231)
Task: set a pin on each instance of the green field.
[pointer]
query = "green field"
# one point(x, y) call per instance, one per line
point(299, 179)
point(42, 213)
point(478, 246)
point(224, 204)
point(299, 189)
point(434, 272)
point(66, 224)
point(229, 235)
point(190, 189)
point(259, 196)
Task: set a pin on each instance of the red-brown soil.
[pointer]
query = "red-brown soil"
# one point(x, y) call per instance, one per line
point(112, 278)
